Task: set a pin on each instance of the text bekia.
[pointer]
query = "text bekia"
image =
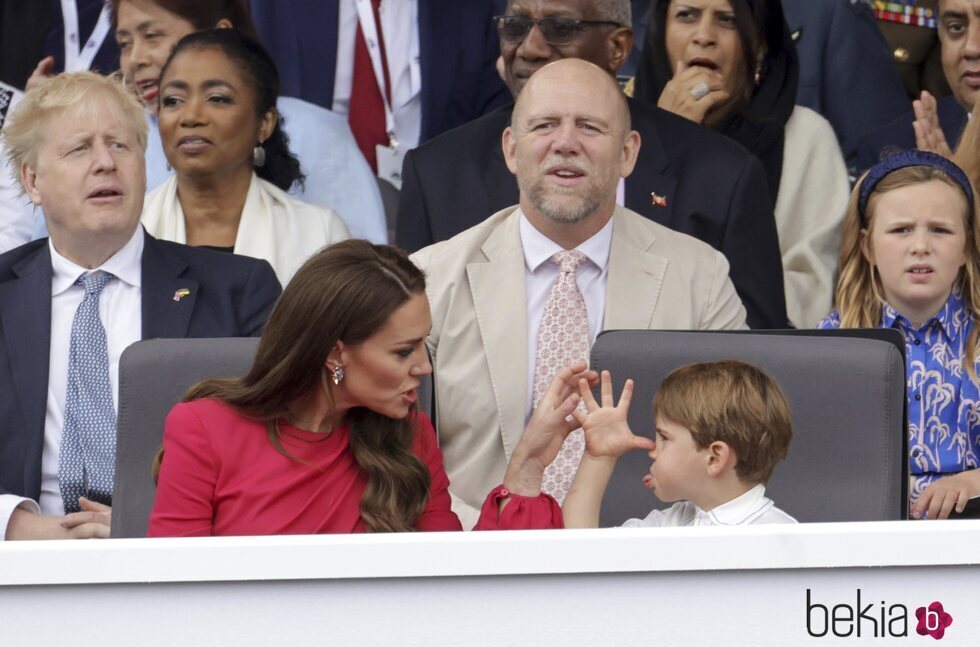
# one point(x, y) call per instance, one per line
point(842, 620)
point(873, 620)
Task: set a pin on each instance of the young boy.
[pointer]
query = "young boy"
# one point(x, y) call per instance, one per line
point(721, 428)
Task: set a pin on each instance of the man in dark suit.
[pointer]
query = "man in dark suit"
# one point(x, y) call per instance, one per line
point(70, 304)
point(846, 69)
point(457, 51)
point(958, 26)
point(687, 177)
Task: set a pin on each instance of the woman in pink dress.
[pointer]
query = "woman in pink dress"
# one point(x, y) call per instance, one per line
point(323, 434)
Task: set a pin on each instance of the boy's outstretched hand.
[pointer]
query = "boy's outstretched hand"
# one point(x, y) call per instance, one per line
point(607, 432)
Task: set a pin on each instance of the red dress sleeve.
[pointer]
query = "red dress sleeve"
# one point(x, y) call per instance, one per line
point(521, 513)
point(183, 505)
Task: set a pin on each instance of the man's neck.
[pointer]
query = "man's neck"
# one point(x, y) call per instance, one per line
point(568, 235)
point(90, 253)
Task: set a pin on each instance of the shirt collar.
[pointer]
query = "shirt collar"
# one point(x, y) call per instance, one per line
point(739, 509)
point(125, 265)
point(538, 248)
point(948, 316)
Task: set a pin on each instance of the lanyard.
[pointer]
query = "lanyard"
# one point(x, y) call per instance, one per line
point(78, 57)
point(365, 15)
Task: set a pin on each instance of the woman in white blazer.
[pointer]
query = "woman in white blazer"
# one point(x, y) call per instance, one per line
point(220, 132)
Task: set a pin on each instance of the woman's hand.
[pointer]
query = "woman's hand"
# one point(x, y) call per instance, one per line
point(607, 432)
point(550, 424)
point(929, 135)
point(949, 492)
point(693, 91)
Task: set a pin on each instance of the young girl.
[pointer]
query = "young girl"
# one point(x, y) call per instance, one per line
point(908, 261)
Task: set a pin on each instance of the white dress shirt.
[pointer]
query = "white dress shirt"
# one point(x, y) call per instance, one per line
point(120, 309)
point(540, 273)
point(400, 32)
point(749, 508)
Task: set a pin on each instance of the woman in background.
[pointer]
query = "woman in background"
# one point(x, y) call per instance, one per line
point(731, 65)
point(337, 176)
point(220, 133)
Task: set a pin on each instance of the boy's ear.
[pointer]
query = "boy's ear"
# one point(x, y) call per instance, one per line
point(721, 457)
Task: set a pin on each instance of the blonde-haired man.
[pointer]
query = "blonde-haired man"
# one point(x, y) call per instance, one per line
point(70, 304)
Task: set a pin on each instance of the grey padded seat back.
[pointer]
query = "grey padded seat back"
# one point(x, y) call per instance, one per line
point(153, 376)
point(847, 460)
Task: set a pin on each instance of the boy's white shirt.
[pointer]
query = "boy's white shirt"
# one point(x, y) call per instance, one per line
point(748, 508)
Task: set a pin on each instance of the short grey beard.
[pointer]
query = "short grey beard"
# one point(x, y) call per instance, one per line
point(536, 194)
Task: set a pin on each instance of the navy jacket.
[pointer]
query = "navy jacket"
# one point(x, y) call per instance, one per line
point(846, 69)
point(713, 189)
point(230, 296)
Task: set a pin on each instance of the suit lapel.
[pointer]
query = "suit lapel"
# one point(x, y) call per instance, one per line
point(497, 286)
point(25, 311)
point(636, 275)
point(650, 189)
point(167, 309)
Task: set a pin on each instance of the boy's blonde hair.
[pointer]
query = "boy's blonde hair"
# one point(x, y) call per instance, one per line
point(24, 131)
point(860, 293)
point(734, 402)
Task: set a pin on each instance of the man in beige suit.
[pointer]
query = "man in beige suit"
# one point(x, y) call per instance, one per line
point(569, 144)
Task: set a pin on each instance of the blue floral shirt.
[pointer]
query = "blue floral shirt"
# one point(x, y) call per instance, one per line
point(944, 403)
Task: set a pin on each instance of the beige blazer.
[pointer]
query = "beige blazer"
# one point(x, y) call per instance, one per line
point(658, 279)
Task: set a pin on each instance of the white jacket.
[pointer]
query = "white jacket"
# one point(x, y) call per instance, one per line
point(274, 225)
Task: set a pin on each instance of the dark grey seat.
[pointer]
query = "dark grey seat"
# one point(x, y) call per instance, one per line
point(153, 376)
point(848, 459)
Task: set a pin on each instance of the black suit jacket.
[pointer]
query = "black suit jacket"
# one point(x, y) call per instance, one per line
point(230, 296)
point(714, 190)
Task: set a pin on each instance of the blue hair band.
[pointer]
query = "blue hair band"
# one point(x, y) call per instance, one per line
point(906, 159)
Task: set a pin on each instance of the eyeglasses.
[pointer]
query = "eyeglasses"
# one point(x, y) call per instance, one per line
point(555, 29)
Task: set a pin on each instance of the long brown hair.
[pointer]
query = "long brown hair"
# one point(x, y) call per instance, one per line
point(345, 292)
point(859, 291)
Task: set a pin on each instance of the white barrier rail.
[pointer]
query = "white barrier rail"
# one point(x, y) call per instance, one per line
point(685, 586)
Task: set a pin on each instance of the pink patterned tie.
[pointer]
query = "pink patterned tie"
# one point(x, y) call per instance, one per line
point(563, 340)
